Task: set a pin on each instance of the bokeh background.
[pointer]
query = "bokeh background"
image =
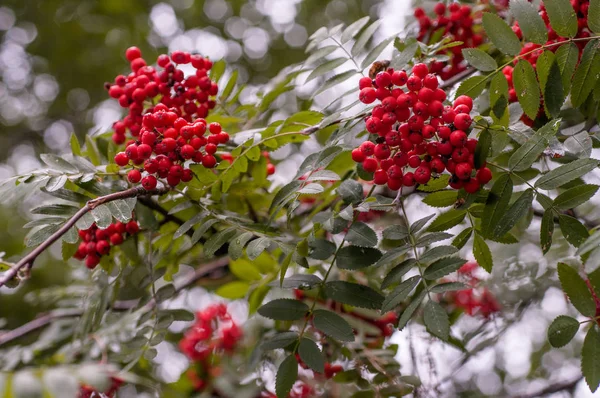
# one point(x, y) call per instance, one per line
point(55, 56)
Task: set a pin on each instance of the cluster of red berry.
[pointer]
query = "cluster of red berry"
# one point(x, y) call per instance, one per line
point(172, 132)
point(330, 369)
point(475, 300)
point(415, 130)
point(457, 23)
point(214, 330)
point(97, 242)
point(528, 51)
point(190, 97)
point(90, 392)
point(299, 390)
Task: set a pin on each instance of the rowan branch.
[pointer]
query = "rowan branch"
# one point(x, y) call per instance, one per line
point(124, 305)
point(457, 78)
point(568, 385)
point(29, 259)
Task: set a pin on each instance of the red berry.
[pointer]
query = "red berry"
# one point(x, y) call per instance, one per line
point(132, 53)
point(121, 159)
point(462, 121)
point(367, 95)
point(92, 260)
point(380, 177)
point(463, 100)
point(463, 171)
point(458, 138)
point(103, 247)
point(420, 70)
point(149, 183)
point(187, 151)
point(422, 174)
point(471, 186)
point(365, 82)
point(382, 151)
point(116, 239)
point(367, 148)
point(484, 175)
point(357, 155)
point(408, 179)
point(209, 161)
point(370, 165)
point(132, 227)
point(270, 169)
point(383, 79)
point(214, 128)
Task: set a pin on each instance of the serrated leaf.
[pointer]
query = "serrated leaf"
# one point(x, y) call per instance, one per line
point(58, 163)
point(562, 330)
point(351, 191)
point(562, 17)
point(102, 216)
point(530, 22)
point(395, 232)
point(499, 104)
point(399, 294)
point(321, 249)
point(420, 223)
point(483, 148)
point(443, 267)
point(524, 157)
point(579, 144)
point(324, 175)
point(376, 52)
point(515, 212)
point(284, 310)
point(280, 340)
point(333, 325)
point(360, 234)
point(527, 88)
point(256, 247)
point(410, 309)
point(427, 239)
point(286, 376)
point(36, 237)
point(236, 246)
point(566, 173)
point(436, 253)
point(448, 287)
point(435, 184)
point(501, 34)
point(402, 58)
point(165, 292)
point(472, 86)
point(353, 29)
point(462, 238)
point(55, 183)
point(575, 196)
point(186, 226)
point(436, 320)
point(593, 17)
point(298, 281)
point(554, 92)
point(311, 355)
point(354, 294)
point(567, 57)
point(479, 59)
point(546, 230)
point(590, 358)
point(356, 257)
point(328, 66)
point(496, 204)
point(441, 198)
point(576, 289)
point(573, 230)
point(447, 220)
point(312, 189)
point(395, 275)
point(482, 253)
point(364, 37)
point(586, 74)
point(215, 242)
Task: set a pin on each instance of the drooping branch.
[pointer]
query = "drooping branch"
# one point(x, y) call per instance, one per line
point(27, 261)
point(568, 385)
point(46, 319)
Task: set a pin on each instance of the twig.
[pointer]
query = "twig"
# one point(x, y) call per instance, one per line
point(46, 319)
point(553, 388)
point(457, 78)
point(28, 260)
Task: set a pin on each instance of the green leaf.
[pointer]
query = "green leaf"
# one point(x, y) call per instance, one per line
point(375, 52)
point(245, 270)
point(496, 204)
point(501, 34)
point(427, 239)
point(200, 231)
point(230, 85)
point(321, 249)
point(402, 58)
point(55, 183)
point(311, 355)
point(562, 330)
point(527, 88)
point(554, 96)
point(420, 223)
point(284, 195)
point(333, 325)
point(567, 57)
point(435, 184)
point(482, 253)
point(562, 17)
point(236, 246)
point(102, 216)
point(186, 226)
point(443, 198)
point(479, 59)
point(472, 87)
point(542, 67)
point(298, 281)
point(36, 237)
point(575, 196)
point(590, 358)
point(593, 17)
point(410, 309)
point(576, 289)
point(165, 292)
point(523, 158)
point(443, 267)
point(256, 247)
point(436, 253)
point(530, 22)
point(360, 234)
point(547, 230)
point(395, 275)
point(400, 293)
point(280, 340)
point(286, 376)
point(356, 257)
point(351, 191)
point(395, 232)
point(436, 320)
point(58, 163)
point(586, 74)
point(362, 40)
point(462, 238)
point(353, 29)
point(233, 290)
point(324, 175)
point(328, 66)
point(448, 287)
point(447, 220)
point(320, 54)
point(566, 173)
point(215, 242)
point(284, 310)
point(515, 212)
point(499, 104)
point(483, 148)
point(573, 230)
point(353, 294)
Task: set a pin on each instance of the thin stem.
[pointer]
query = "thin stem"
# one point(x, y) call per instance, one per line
point(414, 247)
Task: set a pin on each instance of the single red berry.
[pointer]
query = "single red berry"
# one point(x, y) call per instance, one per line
point(370, 165)
point(484, 175)
point(357, 155)
point(134, 176)
point(209, 161)
point(149, 183)
point(422, 174)
point(365, 82)
point(458, 138)
point(270, 169)
point(471, 186)
point(463, 171)
point(92, 260)
point(367, 95)
point(462, 121)
point(214, 128)
point(132, 227)
point(121, 159)
point(408, 179)
point(380, 177)
point(103, 247)
point(420, 70)
point(382, 151)
point(116, 239)
point(463, 100)
point(383, 79)
point(132, 53)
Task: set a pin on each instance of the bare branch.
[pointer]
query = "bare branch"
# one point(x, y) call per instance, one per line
point(28, 260)
point(457, 78)
point(201, 272)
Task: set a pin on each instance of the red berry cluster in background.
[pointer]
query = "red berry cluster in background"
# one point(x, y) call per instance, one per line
point(475, 300)
point(90, 392)
point(172, 132)
point(417, 136)
point(213, 333)
point(97, 242)
point(581, 10)
point(299, 390)
point(144, 86)
point(457, 23)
